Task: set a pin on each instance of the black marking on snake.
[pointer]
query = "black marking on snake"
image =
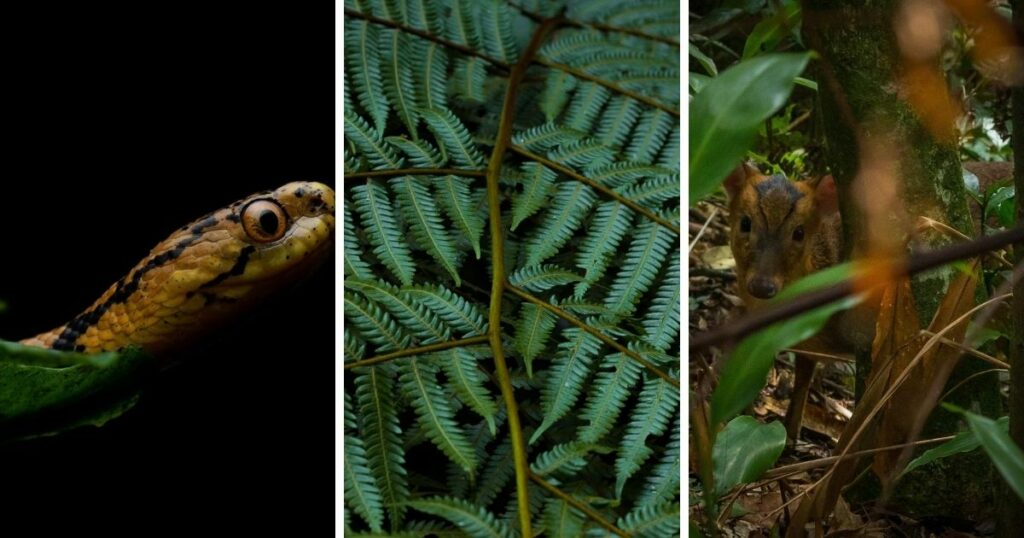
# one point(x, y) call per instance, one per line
point(125, 288)
point(300, 192)
point(237, 269)
point(233, 217)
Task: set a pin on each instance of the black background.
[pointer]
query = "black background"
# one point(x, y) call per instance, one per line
point(123, 123)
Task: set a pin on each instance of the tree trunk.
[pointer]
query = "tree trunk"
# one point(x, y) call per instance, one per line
point(864, 108)
point(1011, 508)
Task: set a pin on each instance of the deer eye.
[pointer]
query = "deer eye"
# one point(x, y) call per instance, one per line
point(745, 224)
point(798, 233)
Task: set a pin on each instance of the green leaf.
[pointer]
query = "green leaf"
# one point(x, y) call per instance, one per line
point(370, 142)
point(537, 185)
point(725, 115)
point(610, 223)
point(617, 121)
point(564, 215)
point(744, 450)
point(561, 519)
point(569, 370)
point(648, 250)
point(661, 322)
point(361, 492)
point(652, 521)
point(378, 424)
point(461, 315)
point(354, 264)
point(1006, 455)
point(435, 413)
point(663, 483)
point(532, 331)
point(415, 317)
point(608, 394)
point(542, 277)
point(424, 220)
point(770, 31)
point(363, 58)
point(65, 390)
point(649, 136)
point(460, 367)
point(398, 79)
point(377, 215)
point(455, 138)
point(459, 203)
point(746, 370)
point(375, 324)
point(586, 104)
point(496, 24)
point(431, 73)
point(963, 442)
point(707, 63)
point(658, 403)
point(473, 520)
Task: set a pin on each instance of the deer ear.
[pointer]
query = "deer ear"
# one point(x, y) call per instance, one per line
point(738, 178)
point(825, 195)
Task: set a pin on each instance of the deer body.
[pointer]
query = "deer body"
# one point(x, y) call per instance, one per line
point(781, 231)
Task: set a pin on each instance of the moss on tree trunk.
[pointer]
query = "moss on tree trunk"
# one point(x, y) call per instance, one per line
point(862, 103)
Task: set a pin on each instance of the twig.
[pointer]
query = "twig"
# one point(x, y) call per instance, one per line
point(417, 172)
point(430, 348)
point(590, 512)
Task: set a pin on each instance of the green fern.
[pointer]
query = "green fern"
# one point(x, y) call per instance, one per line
point(430, 410)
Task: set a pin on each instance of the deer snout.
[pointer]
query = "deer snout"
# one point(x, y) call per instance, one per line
point(762, 287)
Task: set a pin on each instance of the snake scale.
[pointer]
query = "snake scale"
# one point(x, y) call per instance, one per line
point(206, 272)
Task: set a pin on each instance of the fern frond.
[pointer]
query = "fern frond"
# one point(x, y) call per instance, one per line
point(425, 222)
point(378, 421)
point(608, 394)
point(649, 135)
point(369, 142)
point(542, 277)
point(658, 402)
point(661, 322)
point(583, 307)
point(572, 45)
point(496, 26)
point(361, 492)
point(354, 264)
point(662, 484)
point(611, 63)
point(375, 324)
point(652, 522)
point(571, 202)
point(652, 192)
point(557, 89)
point(377, 216)
point(566, 459)
point(414, 316)
point(363, 58)
point(398, 80)
point(393, 10)
point(656, 82)
point(460, 367)
point(669, 156)
point(617, 121)
point(561, 519)
point(431, 74)
point(532, 332)
point(455, 138)
point(434, 410)
point(425, 15)
point(463, 316)
point(545, 136)
point(620, 173)
point(421, 154)
point(537, 182)
point(473, 520)
point(461, 205)
point(586, 154)
point(641, 12)
point(586, 104)
point(647, 251)
point(569, 369)
point(496, 473)
point(354, 348)
point(463, 26)
point(610, 224)
point(470, 75)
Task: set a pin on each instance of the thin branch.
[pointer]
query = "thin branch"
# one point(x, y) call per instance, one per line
point(537, 17)
point(914, 264)
point(590, 330)
point(565, 170)
point(501, 143)
point(430, 348)
point(417, 172)
point(700, 233)
point(590, 512)
point(969, 350)
point(469, 51)
point(608, 84)
point(822, 462)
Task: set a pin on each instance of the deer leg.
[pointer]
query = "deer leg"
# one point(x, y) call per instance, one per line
point(798, 398)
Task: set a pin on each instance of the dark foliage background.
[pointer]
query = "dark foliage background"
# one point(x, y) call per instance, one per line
point(124, 123)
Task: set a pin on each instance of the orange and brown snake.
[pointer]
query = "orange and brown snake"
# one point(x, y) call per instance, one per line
point(206, 272)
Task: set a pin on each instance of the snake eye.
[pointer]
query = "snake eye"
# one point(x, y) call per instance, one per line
point(264, 221)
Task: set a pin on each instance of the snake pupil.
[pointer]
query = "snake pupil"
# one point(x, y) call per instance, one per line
point(268, 221)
